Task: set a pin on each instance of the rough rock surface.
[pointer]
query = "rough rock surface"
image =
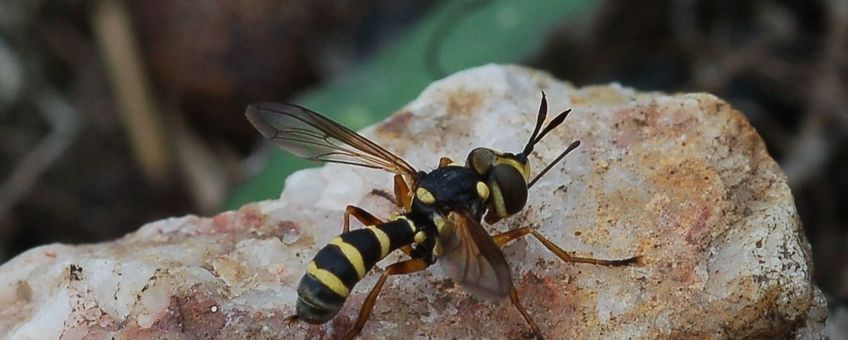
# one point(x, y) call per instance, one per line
point(682, 180)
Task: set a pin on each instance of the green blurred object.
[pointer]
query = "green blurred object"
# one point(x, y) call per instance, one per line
point(487, 32)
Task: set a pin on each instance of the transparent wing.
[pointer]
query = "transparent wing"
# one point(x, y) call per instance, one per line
point(472, 259)
point(308, 134)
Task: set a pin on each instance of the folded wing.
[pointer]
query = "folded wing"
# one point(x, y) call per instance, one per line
point(472, 259)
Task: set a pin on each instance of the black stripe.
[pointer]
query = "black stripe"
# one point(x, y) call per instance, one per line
point(313, 291)
point(333, 260)
point(399, 232)
point(316, 303)
point(367, 243)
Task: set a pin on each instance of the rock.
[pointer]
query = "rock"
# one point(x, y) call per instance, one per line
point(682, 180)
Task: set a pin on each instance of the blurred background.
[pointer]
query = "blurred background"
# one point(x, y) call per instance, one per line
point(117, 113)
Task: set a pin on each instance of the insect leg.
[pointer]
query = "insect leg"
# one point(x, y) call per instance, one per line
point(492, 217)
point(402, 197)
point(513, 296)
point(386, 195)
point(365, 218)
point(503, 238)
point(360, 214)
point(403, 267)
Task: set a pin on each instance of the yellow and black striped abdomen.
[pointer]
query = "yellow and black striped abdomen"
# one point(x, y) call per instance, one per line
point(341, 264)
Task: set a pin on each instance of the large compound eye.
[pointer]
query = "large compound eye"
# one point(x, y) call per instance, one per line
point(508, 190)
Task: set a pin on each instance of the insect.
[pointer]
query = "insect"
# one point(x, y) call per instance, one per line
point(442, 212)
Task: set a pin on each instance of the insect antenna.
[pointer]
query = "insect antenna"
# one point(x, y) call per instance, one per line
point(537, 136)
point(543, 113)
point(539, 133)
point(573, 146)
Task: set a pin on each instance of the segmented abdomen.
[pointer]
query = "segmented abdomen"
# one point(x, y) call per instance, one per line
point(342, 263)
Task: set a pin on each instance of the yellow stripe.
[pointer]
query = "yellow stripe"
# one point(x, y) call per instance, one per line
point(384, 240)
point(524, 169)
point(328, 279)
point(437, 249)
point(482, 190)
point(352, 254)
point(425, 196)
point(408, 222)
point(497, 198)
point(439, 222)
point(420, 237)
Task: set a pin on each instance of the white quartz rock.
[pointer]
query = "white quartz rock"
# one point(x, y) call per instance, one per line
point(682, 180)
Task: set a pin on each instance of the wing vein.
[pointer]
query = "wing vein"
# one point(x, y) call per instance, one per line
point(309, 135)
point(472, 259)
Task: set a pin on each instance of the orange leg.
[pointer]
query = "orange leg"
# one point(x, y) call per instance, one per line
point(360, 214)
point(503, 238)
point(386, 195)
point(513, 296)
point(402, 197)
point(492, 217)
point(399, 268)
point(365, 218)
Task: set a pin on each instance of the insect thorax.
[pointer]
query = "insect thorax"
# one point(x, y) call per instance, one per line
point(450, 188)
point(446, 189)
